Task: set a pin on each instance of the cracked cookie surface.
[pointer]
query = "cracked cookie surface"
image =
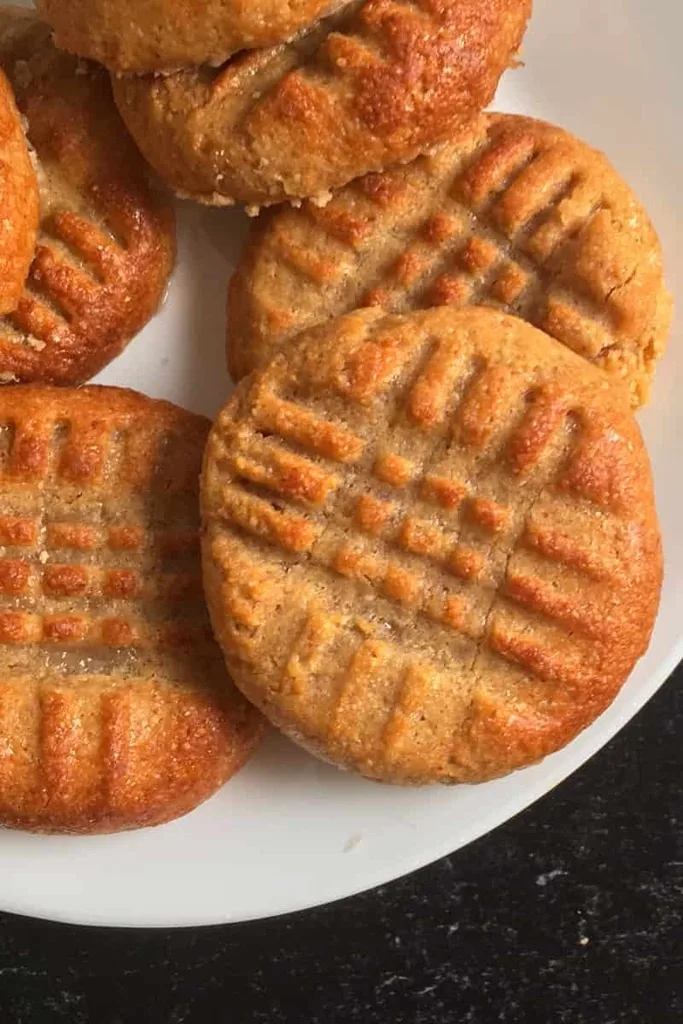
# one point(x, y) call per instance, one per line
point(512, 212)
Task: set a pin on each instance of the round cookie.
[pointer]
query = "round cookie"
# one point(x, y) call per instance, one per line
point(512, 212)
point(115, 707)
point(370, 85)
point(106, 241)
point(18, 202)
point(163, 35)
point(430, 545)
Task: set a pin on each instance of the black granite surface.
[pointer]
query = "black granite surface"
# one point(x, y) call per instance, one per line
point(570, 913)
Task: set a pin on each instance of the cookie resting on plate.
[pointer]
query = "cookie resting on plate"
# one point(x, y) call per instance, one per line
point(115, 707)
point(430, 546)
point(510, 212)
point(106, 242)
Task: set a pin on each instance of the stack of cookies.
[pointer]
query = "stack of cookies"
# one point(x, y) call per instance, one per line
point(270, 101)
point(429, 542)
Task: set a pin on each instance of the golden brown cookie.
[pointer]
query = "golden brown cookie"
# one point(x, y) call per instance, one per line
point(115, 707)
point(106, 243)
point(371, 85)
point(430, 545)
point(513, 213)
point(18, 202)
point(158, 35)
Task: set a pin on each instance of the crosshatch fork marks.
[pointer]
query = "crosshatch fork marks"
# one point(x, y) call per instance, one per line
point(513, 213)
point(468, 520)
point(490, 500)
point(99, 533)
point(480, 245)
point(106, 245)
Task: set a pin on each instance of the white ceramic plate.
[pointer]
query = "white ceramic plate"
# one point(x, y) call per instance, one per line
point(289, 832)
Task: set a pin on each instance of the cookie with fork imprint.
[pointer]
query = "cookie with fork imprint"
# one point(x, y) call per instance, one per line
point(164, 35)
point(372, 84)
point(511, 212)
point(430, 545)
point(106, 242)
point(18, 202)
point(115, 707)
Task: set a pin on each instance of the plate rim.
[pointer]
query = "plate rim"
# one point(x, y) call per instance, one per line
point(489, 822)
point(556, 767)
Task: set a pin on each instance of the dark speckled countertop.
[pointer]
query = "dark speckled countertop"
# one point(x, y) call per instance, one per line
point(569, 913)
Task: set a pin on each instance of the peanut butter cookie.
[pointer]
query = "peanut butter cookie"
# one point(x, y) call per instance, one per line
point(430, 546)
point(106, 243)
point(511, 212)
point(163, 35)
point(115, 707)
point(373, 84)
point(18, 202)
